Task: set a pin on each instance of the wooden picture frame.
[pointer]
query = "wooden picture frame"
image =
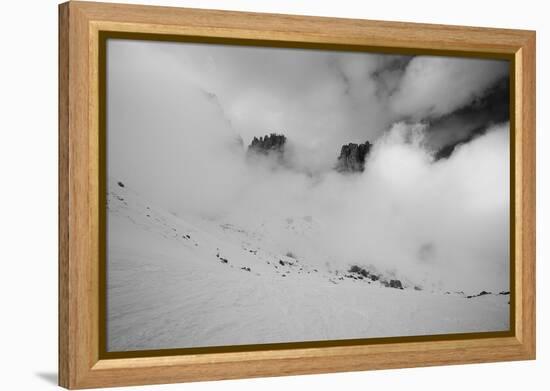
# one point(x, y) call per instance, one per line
point(81, 112)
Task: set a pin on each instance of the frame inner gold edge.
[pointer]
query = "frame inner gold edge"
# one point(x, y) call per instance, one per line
point(102, 31)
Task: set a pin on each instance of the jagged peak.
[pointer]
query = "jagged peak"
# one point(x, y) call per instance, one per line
point(271, 143)
point(352, 157)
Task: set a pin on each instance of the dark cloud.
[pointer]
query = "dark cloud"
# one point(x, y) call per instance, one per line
point(462, 125)
point(389, 76)
point(432, 87)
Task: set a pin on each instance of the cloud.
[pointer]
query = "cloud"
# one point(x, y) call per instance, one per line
point(457, 207)
point(435, 86)
point(462, 125)
point(163, 132)
point(442, 225)
point(319, 99)
point(178, 116)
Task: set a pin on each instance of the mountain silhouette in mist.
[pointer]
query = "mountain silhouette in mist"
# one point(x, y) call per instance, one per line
point(272, 143)
point(352, 157)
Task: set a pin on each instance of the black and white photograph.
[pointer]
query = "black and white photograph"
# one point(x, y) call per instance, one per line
point(264, 195)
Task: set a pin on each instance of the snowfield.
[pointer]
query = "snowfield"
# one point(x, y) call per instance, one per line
point(192, 282)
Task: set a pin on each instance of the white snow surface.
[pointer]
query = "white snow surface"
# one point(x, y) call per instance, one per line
point(192, 282)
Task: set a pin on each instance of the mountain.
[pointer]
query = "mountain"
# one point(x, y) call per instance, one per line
point(270, 144)
point(190, 281)
point(352, 157)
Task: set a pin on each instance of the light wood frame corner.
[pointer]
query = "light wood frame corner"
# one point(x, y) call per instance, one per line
point(80, 25)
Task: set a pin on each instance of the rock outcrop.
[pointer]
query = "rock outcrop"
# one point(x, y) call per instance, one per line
point(352, 157)
point(359, 273)
point(270, 144)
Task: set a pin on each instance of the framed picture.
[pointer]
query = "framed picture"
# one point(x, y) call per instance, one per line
point(247, 195)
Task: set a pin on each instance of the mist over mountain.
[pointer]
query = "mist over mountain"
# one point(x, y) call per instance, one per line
point(272, 143)
point(249, 157)
point(350, 160)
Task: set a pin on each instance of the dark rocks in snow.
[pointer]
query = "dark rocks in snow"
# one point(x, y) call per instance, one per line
point(504, 293)
point(120, 184)
point(352, 157)
point(247, 269)
point(482, 293)
point(355, 269)
point(222, 259)
point(363, 272)
point(360, 273)
point(271, 144)
point(396, 284)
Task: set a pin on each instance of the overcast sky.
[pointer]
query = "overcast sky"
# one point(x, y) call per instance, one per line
point(318, 99)
point(179, 115)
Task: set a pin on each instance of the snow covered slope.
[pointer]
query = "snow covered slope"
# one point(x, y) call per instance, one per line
point(194, 282)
